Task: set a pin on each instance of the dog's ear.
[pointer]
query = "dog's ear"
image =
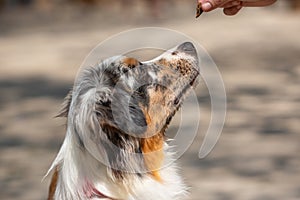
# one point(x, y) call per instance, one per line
point(66, 106)
point(103, 102)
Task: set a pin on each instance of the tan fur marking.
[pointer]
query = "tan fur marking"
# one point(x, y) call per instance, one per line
point(181, 65)
point(53, 184)
point(153, 154)
point(152, 145)
point(131, 62)
point(147, 117)
point(163, 62)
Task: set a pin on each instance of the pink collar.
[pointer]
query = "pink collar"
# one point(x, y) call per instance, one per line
point(91, 192)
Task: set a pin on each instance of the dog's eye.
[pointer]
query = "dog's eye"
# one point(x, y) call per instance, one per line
point(174, 53)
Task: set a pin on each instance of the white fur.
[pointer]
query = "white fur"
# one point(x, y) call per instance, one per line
point(77, 166)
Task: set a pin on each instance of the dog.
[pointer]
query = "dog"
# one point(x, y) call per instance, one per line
point(117, 114)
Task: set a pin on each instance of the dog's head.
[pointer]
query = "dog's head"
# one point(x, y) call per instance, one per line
point(124, 101)
point(140, 98)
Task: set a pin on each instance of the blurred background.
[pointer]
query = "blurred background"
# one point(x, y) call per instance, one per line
point(43, 42)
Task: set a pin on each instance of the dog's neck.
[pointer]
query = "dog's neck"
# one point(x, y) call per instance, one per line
point(80, 176)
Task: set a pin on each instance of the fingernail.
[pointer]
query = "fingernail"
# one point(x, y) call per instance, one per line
point(206, 6)
point(236, 3)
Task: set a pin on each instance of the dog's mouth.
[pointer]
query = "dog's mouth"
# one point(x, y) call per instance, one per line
point(180, 97)
point(178, 101)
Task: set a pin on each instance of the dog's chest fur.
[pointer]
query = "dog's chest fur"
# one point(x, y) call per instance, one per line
point(132, 187)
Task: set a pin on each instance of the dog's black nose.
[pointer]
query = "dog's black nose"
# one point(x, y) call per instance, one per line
point(188, 48)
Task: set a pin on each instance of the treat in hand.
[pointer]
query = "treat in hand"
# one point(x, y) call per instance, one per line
point(199, 10)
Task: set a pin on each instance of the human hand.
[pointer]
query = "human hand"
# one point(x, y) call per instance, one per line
point(232, 7)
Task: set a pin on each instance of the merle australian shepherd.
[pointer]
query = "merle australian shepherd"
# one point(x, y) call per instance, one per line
point(117, 114)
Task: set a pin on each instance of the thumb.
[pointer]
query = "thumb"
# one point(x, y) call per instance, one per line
point(208, 5)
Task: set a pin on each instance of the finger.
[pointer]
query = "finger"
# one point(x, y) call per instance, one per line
point(258, 3)
point(231, 4)
point(209, 5)
point(232, 11)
